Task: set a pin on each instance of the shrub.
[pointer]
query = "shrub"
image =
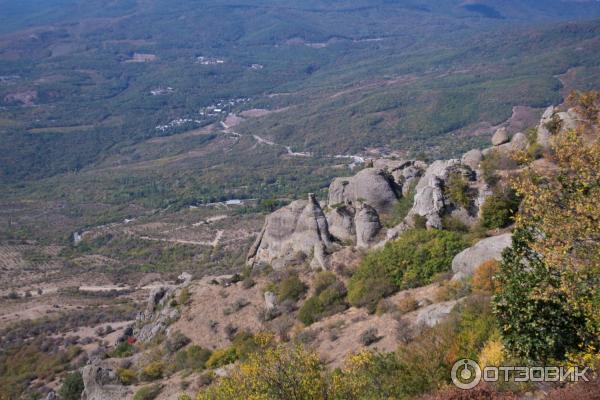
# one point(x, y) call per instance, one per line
point(536, 319)
point(483, 277)
point(222, 357)
point(152, 371)
point(328, 299)
point(411, 261)
point(369, 337)
point(72, 387)
point(194, 357)
point(126, 376)
point(291, 288)
point(459, 191)
point(176, 341)
point(407, 304)
point(310, 311)
point(122, 350)
point(184, 296)
point(499, 209)
point(147, 392)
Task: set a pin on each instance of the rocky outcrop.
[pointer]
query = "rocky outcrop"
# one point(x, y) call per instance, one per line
point(567, 120)
point(102, 383)
point(159, 312)
point(472, 158)
point(367, 226)
point(429, 199)
point(372, 186)
point(433, 314)
point(341, 223)
point(500, 137)
point(466, 262)
point(293, 234)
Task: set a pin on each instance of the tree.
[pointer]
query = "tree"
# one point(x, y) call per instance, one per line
point(72, 387)
point(534, 315)
point(560, 206)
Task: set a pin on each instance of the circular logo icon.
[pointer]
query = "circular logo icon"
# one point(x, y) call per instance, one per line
point(466, 374)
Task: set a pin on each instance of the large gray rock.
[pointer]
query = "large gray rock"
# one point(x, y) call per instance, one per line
point(433, 314)
point(519, 142)
point(101, 383)
point(297, 231)
point(500, 137)
point(341, 223)
point(472, 158)
point(543, 134)
point(466, 262)
point(429, 199)
point(371, 186)
point(367, 226)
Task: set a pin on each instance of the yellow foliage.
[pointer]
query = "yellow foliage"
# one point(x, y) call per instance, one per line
point(483, 278)
point(492, 353)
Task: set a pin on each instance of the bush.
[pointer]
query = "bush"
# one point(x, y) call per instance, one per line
point(123, 349)
point(72, 387)
point(176, 341)
point(408, 262)
point(536, 319)
point(369, 337)
point(147, 392)
point(222, 357)
point(459, 191)
point(184, 296)
point(152, 371)
point(483, 277)
point(329, 298)
point(499, 209)
point(291, 288)
point(126, 376)
point(407, 304)
point(194, 357)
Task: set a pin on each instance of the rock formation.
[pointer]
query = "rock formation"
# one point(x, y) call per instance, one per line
point(372, 186)
point(102, 383)
point(500, 137)
point(293, 234)
point(466, 262)
point(367, 225)
point(429, 199)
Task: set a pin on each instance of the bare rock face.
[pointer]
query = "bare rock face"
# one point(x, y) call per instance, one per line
point(102, 383)
point(433, 314)
point(466, 262)
point(341, 223)
point(159, 312)
point(298, 231)
point(429, 197)
point(367, 226)
point(371, 186)
point(519, 142)
point(500, 137)
point(543, 134)
point(472, 158)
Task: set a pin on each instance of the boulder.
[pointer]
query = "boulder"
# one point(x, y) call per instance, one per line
point(341, 223)
point(372, 186)
point(429, 194)
point(270, 300)
point(466, 262)
point(500, 137)
point(102, 383)
point(295, 232)
point(433, 314)
point(367, 226)
point(472, 158)
point(543, 134)
point(519, 142)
